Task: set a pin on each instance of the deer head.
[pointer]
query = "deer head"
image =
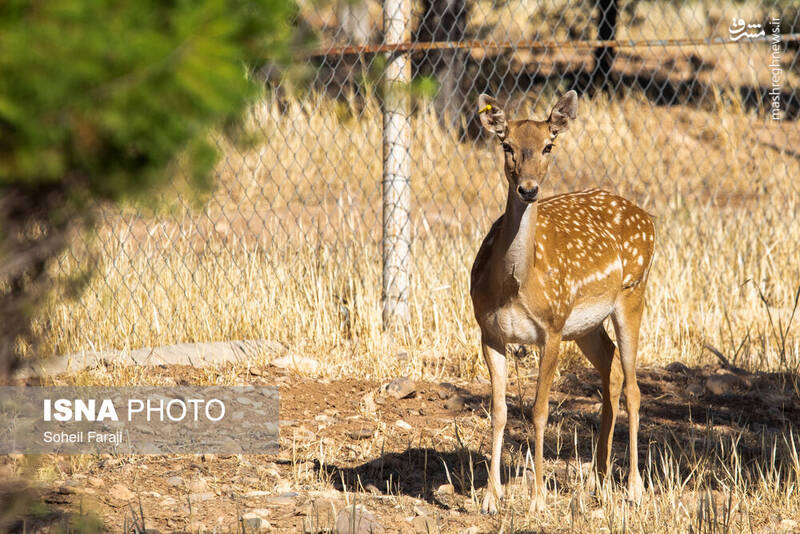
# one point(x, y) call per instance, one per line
point(527, 143)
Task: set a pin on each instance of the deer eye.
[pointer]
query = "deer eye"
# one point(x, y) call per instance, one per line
point(506, 147)
point(547, 148)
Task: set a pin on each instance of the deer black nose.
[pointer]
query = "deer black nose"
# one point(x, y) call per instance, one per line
point(528, 195)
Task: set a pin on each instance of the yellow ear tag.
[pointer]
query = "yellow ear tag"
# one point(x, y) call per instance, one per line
point(488, 107)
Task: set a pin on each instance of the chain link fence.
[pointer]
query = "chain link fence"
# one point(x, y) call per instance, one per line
point(687, 107)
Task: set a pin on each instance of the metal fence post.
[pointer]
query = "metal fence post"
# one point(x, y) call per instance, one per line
point(396, 168)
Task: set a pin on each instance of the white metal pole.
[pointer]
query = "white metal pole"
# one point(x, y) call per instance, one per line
point(396, 168)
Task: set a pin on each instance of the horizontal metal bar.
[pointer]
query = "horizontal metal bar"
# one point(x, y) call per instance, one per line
point(537, 45)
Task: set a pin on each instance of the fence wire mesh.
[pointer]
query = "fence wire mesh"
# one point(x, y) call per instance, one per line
point(287, 246)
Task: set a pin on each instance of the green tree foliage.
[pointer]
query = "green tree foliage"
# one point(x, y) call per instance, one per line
point(97, 100)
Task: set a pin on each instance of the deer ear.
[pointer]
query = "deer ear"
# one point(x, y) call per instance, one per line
point(564, 110)
point(492, 116)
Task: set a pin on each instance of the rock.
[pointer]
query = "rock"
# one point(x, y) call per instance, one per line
point(120, 492)
point(361, 433)
point(373, 489)
point(168, 501)
point(443, 393)
point(570, 380)
point(284, 499)
point(402, 424)
point(300, 364)
point(256, 493)
point(175, 481)
point(790, 525)
point(369, 404)
point(198, 485)
point(695, 390)
point(424, 524)
point(455, 403)
point(678, 367)
point(721, 384)
point(255, 523)
point(321, 516)
point(96, 482)
point(445, 489)
point(304, 434)
point(357, 520)
point(401, 387)
point(201, 496)
point(482, 381)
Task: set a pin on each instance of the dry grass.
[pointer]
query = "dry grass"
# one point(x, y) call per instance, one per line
point(287, 247)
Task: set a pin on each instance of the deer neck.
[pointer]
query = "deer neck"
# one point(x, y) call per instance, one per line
point(518, 238)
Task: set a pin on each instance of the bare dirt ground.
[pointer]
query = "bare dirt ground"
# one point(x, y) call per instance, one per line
point(418, 463)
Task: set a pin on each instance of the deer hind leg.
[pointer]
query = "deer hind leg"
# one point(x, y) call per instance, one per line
point(627, 317)
point(494, 354)
point(601, 352)
point(547, 368)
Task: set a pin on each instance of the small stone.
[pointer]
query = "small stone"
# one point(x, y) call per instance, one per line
point(455, 403)
point(361, 433)
point(470, 530)
point(373, 489)
point(168, 501)
point(722, 383)
point(282, 486)
point(678, 367)
point(321, 516)
point(198, 485)
point(175, 481)
point(402, 424)
point(300, 364)
point(285, 499)
point(424, 524)
point(96, 482)
point(118, 491)
point(695, 390)
point(482, 381)
point(256, 371)
point(446, 489)
point(401, 387)
point(255, 523)
point(200, 497)
point(304, 434)
point(357, 520)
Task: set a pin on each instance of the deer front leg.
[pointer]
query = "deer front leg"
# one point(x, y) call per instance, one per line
point(547, 368)
point(494, 354)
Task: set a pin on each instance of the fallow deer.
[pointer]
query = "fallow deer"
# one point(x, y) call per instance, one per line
point(552, 270)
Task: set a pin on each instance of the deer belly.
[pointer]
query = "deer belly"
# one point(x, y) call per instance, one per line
point(513, 325)
point(586, 318)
